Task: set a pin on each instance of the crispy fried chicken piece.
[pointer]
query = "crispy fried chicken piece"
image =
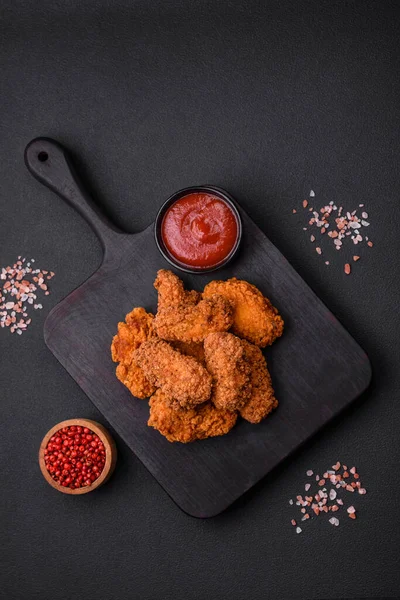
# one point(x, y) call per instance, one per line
point(226, 361)
point(254, 317)
point(138, 328)
point(180, 377)
point(191, 349)
point(171, 291)
point(262, 400)
point(186, 425)
point(193, 323)
point(135, 380)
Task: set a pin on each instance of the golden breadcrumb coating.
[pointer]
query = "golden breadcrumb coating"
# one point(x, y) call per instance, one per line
point(135, 380)
point(171, 291)
point(193, 323)
point(195, 349)
point(262, 400)
point(138, 328)
point(187, 425)
point(226, 361)
point(254, 317)
point(180, 377)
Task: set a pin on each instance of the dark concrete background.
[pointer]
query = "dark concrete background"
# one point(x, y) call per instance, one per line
point(265, 99)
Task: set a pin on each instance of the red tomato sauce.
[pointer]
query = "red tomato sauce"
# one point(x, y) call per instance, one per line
point(199, 230)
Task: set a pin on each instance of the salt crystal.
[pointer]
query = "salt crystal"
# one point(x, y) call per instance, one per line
point(307, 487)
point(339, 501)
point(332, 494)
point(298, 530)
point(351, 510)
point(365, 223)
point(334, 521)
point(312, 194)
point(364, 215)
point(310, 473)
point(291, 502)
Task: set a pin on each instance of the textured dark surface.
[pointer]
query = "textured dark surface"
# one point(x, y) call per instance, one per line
point(266, 100)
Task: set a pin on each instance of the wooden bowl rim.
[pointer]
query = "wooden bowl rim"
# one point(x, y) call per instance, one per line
point(111, 455)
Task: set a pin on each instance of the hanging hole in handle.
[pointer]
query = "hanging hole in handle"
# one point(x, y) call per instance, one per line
point(43, 156)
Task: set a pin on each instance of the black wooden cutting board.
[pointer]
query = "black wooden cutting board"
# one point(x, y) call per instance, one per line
point(317, 367)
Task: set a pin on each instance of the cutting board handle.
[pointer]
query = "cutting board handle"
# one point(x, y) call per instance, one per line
point(50, 164)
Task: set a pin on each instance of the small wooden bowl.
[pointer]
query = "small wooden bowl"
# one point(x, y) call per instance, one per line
point(111, 455)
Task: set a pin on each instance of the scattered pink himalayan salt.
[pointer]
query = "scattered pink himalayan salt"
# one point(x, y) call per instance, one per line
point(344, 226)
point(20, 282)
point(324, 501)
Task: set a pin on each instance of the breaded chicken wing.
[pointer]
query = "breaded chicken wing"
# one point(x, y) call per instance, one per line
point(187, 425)
point(193, 323)
point(254, 317)
point(138, 328)
point(171, 291)
point(226, 361)
point(180, 377)
point(262, 400)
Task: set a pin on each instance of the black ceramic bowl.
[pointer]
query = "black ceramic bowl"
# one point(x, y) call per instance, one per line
point(207, 189)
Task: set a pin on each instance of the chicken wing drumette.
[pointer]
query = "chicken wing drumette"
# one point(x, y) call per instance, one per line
point(137, 328)
point(226, 361)
point(182, 379)
point(182, 316)
point(254, 317)
point(187, 425)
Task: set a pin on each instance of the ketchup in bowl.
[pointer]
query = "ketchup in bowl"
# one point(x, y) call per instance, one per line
point(200, 230)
